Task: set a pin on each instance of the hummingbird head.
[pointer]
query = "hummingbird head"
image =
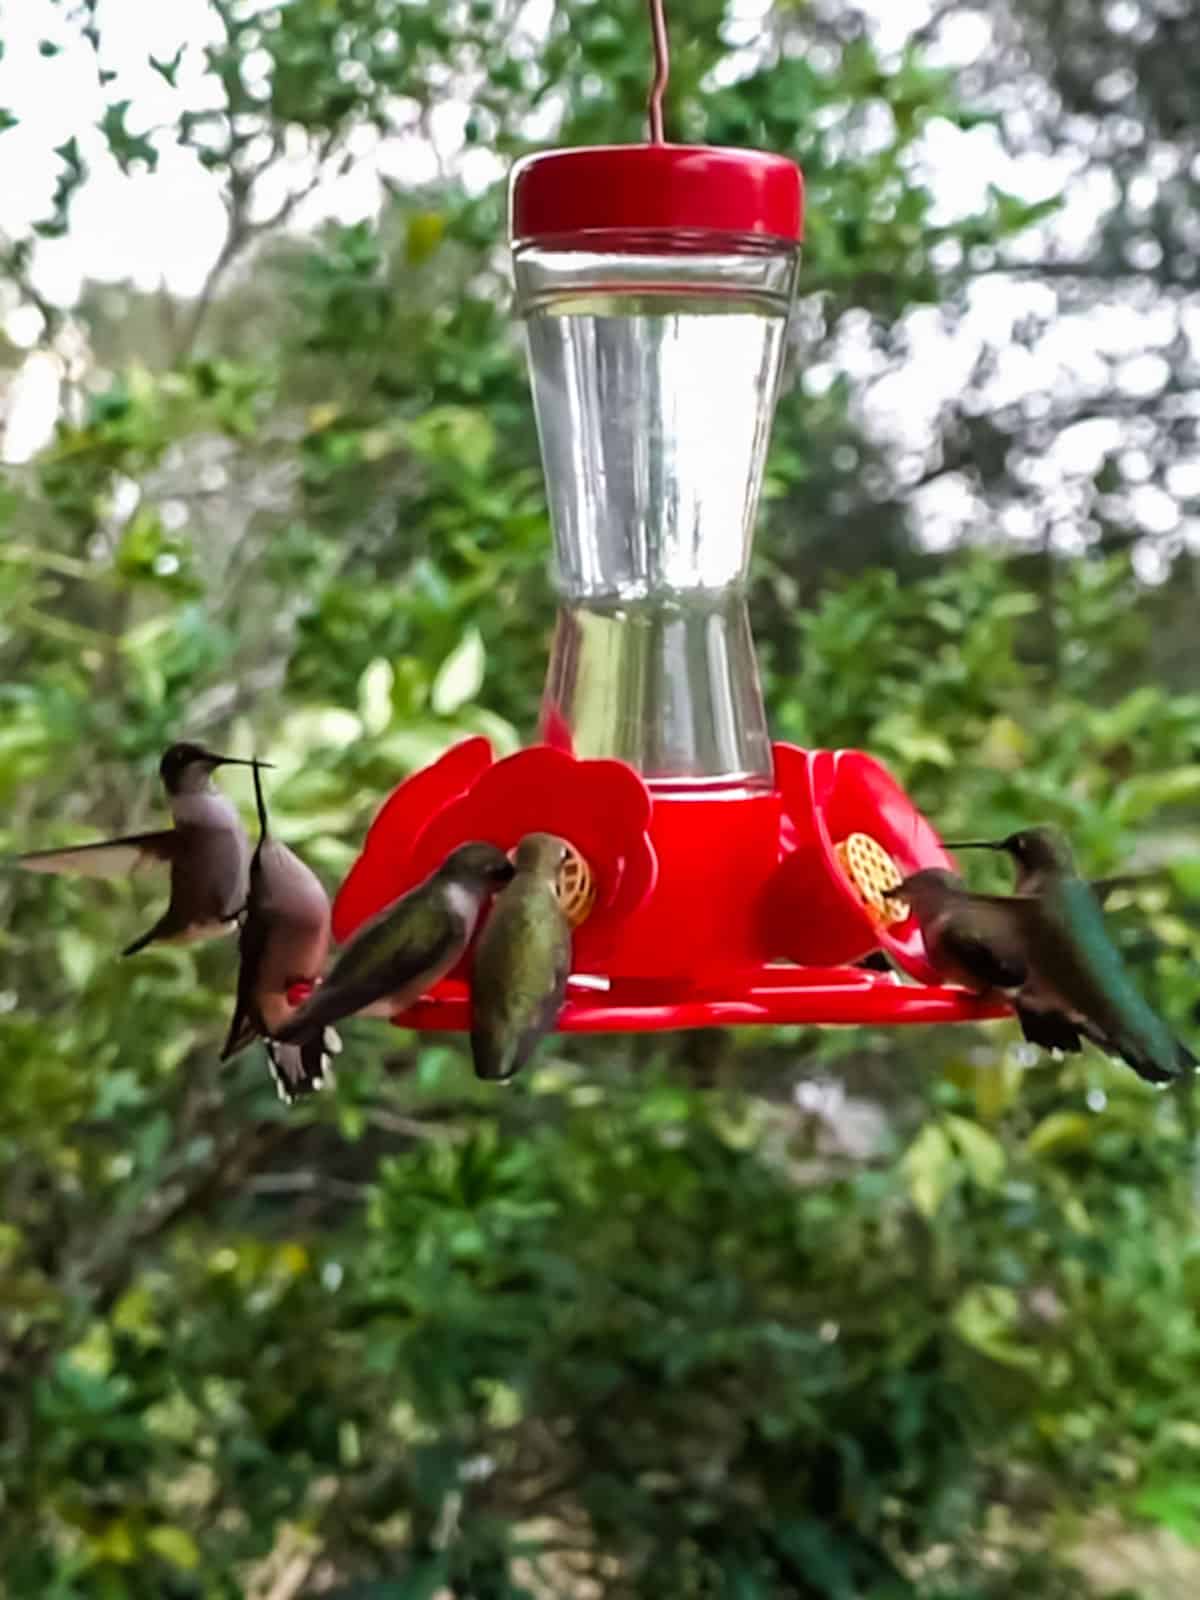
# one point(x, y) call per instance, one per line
point(1040, 849)
point(479, 865)
point(542, 854)
point(186, 768)
point(927, 891)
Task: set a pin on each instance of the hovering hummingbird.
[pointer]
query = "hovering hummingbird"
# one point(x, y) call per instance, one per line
point(519, 974)
point(404, 950)
point(284, 940)
point(207, 852)
point(1050, 953)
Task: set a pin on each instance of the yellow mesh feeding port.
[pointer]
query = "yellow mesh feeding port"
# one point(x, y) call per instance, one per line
point(576, 888)
point(871, 870)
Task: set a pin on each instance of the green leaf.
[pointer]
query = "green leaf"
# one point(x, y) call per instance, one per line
point(168, 68)
point(981, 1151)
point(1141, 796)
point(460, 676)
point(375, 696)
point(174, 1545)
point(68, 152)
point(426, 230)
point(913, 743)
point(929, 1168)
point(1062, 1131)
point(986, 1318)
point(1173, 1503)
point(78, 955)
point(115, 1543)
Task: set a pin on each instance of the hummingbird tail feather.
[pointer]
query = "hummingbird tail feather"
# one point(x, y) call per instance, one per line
point(140, 944)
point(492, 1061)
point(301, 1069)
point(1150, 1064)
point(242, 1032)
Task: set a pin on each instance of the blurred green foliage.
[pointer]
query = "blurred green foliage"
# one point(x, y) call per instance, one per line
point(841, 1317)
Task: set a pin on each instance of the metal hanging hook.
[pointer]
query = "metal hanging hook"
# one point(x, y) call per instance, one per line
point(662, 69)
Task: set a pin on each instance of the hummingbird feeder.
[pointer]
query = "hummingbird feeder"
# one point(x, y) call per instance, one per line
point(716, 878)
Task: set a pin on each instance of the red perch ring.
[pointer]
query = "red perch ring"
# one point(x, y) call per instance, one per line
point(709, 911)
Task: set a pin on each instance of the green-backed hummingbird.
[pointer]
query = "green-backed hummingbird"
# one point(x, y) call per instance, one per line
point(521, 963)
point(1051, 954)
point(207, 852)
point(412, 943)
point(284, 940)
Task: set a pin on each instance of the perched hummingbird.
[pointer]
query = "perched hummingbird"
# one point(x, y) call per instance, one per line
point(207, 852)
point(519, 974)
point(1050, 953)
point(284, 940)
point(404, 950)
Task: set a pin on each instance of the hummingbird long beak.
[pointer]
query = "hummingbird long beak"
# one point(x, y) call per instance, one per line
point(239, 761)
point(972, 844)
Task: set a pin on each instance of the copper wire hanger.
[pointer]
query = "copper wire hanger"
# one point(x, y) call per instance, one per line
point(662, 69)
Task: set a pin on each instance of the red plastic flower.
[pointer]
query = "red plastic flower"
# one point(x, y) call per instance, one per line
point(600, 807)
point(815, 914)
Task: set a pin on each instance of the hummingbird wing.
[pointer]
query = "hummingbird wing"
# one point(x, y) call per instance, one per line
point(110, 858)
point(247, 1022)
point(1105, 888)
point(401, 951)
point(980, 938)
point(518, 978)
point(208, 886)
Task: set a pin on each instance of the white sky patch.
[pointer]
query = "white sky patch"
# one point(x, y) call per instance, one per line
point(31, 406)
point(166, 228)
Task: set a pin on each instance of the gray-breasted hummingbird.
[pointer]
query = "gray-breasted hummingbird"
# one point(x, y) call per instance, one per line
point(1051, 954)
point(522, 961)
point(412, 943)
point(207, 852)
point(284, 940)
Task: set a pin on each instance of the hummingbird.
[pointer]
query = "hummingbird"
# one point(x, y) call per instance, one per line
point(207, 852)
point(284, 940)
point(404, 950)
point(519, 974)
point(1050, 953)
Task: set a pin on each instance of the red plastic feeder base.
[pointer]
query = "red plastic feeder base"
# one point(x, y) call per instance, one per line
point(723, 909)
point(773, 996)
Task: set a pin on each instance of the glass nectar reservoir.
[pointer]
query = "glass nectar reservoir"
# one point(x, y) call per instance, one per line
point(655, 282)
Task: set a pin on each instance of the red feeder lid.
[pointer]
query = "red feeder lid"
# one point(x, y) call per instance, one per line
point(652, 187)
